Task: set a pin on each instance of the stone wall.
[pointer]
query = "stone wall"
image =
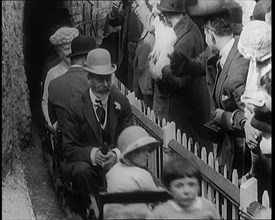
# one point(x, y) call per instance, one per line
point(16, 115)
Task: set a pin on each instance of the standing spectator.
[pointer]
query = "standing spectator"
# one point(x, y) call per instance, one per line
point(61, 39)
point(186, 98)
point(73, 82)
point(182, 179)
point(255, 44)
point(226, 84)
point(93, 121)
point(131, 32)
point(130, 173)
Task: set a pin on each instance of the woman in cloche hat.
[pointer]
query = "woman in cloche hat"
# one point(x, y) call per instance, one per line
point(130, 173)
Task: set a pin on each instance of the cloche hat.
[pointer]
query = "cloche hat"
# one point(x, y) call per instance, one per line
point(82, 45)
point(99, 62)
point(133, 138)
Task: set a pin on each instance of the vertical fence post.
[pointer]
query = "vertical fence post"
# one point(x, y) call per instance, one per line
point(248, 193)
point(235, 210)
point(210, 194)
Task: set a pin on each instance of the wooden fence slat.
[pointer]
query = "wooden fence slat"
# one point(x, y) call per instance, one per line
point(210, 188)
point(265, 199)
point(204, 183)
point(217, 194)
point(224, 207)
point(184, 140)
point(152, 116)
point(178, 136)
point(190, 144)
point(196, 147)
point(235, 209)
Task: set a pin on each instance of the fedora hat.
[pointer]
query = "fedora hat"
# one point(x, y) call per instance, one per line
point(133, 138)
point(99, 62)
point(171, 5)
point(82, 45)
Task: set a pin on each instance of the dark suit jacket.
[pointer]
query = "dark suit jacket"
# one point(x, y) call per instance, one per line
point(62, 89)
point(229, 87)
point(81, 130)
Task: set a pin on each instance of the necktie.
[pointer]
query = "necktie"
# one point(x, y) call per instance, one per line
point(218, 66)
point(100, 111)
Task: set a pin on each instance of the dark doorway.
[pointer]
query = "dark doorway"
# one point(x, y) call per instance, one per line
point(41, 20)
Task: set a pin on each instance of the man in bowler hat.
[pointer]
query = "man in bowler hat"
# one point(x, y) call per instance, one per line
point(73, 82)
point(93, 121)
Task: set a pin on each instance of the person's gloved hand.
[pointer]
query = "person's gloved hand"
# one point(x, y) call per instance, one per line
point(100, 158)
point(112, 158)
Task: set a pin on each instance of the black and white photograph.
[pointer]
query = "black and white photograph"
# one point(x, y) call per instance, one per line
point(136, 109)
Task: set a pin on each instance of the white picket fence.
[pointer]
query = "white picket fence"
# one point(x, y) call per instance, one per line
point(226, 193)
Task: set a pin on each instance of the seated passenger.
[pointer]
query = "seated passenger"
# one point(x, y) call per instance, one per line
point(61, 39)
point(130, 173)
point(182, 178)
point(73, 82)
point(93, 121)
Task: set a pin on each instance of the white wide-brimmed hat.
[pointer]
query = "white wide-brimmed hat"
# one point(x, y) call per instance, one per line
point(133, 138)
point(99, 62)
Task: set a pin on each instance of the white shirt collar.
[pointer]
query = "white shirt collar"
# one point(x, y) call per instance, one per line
point(225, 51)
point(76, 65)
point(93, 98)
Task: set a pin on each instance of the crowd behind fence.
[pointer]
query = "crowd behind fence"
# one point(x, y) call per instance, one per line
point(227, 193)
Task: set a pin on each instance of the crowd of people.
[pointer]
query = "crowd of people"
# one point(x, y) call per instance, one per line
point(213, 81)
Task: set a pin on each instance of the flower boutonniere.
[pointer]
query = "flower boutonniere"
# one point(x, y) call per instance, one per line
point(117, 106)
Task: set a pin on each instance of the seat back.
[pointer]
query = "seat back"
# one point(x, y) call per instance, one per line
point(129, 197)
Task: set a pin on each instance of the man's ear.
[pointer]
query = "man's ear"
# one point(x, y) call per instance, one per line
point(213, 39)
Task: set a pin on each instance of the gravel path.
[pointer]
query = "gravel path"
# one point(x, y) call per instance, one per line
point(28, 192)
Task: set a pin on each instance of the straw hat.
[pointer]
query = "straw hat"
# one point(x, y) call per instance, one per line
point(99, 62)
point(133, 138)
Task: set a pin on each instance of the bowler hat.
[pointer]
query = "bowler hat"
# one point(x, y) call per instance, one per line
point(133, 138)
point(82, 45)
point(99, 62)
point(171, 5)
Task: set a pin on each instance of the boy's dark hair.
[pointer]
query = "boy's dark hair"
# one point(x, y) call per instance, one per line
point(178, 168)
point(221, 24)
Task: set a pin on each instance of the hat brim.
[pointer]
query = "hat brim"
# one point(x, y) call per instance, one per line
point(159, 7)
point(102, 71)
point(77, 54)
point(148, 143)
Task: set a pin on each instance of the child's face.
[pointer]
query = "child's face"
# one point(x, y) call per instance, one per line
point(185, 190)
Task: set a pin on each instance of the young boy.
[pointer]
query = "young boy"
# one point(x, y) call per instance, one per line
point(182, 179)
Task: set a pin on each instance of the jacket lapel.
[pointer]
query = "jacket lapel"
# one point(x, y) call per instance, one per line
point(220, 80)
point(89, 114)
